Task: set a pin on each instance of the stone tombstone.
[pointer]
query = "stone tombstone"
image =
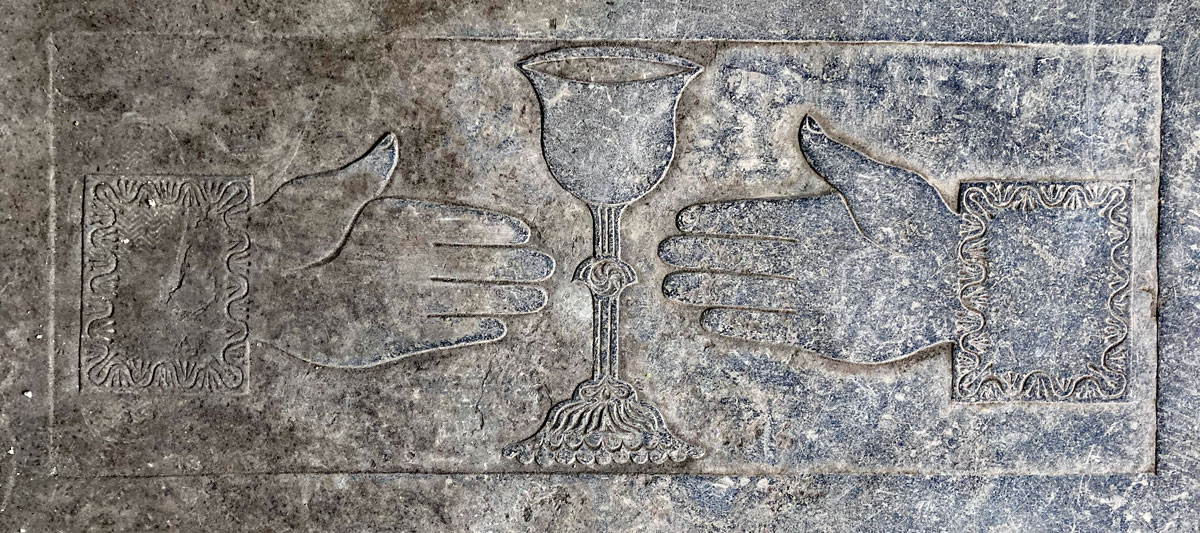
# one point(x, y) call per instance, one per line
point(725, 273)
point(800, 258)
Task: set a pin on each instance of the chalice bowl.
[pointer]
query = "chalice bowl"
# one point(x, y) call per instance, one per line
point(607, 138)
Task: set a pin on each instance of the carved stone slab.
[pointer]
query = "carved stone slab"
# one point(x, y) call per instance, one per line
point(792, 257)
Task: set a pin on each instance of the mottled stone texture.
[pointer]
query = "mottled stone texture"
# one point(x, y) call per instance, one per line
point(799, 313)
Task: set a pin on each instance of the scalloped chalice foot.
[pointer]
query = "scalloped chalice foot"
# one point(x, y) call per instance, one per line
point(603, 423)
point(608, 143)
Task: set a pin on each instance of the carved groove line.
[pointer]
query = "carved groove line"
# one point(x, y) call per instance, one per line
point(975, 379)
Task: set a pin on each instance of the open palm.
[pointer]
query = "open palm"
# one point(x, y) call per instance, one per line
point(354, 279)
point(865, 273)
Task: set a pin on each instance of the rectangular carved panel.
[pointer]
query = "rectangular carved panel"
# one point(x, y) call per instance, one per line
point(164, 284)
point(1044, 275)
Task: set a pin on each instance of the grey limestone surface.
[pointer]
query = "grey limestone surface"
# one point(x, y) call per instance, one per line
point(575, 266)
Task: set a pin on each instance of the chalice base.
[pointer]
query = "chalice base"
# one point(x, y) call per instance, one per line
point(603, 423)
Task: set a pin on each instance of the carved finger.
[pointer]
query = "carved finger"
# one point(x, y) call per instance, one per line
point(438, 223)
point(732, 290)
point(367, 343)
point(781, 218)
point(752, 256)
point(471, 226)
point(832, 334)
point(482, 299)
point(395, 227)
point(787, 328)
point(480, 263)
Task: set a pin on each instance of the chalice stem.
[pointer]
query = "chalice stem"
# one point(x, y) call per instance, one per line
point(605, 344)
point(604, 421)
point(606, 246)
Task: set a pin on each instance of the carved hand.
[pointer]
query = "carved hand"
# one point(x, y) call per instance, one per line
point(865, 273)
point(353, 279)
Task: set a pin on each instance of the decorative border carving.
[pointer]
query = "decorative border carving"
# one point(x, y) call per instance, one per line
point(975, 379)
point(111, 203)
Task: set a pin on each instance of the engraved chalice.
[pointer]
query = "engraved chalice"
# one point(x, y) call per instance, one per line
point(608, 139)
